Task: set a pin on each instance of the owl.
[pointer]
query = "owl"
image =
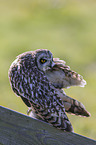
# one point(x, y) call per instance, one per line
point(39, 79)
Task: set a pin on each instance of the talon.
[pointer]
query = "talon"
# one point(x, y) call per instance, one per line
point(29, 111)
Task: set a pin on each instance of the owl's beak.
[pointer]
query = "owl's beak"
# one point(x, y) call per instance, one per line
point(52, 64)
point(49, 67)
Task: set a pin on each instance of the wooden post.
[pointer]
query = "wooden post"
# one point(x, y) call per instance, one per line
point(19, 129)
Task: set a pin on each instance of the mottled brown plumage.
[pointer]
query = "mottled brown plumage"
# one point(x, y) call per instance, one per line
point(38, 79)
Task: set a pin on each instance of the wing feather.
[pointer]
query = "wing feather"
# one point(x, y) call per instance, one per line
point(38, 93)
point(61, 76)
point(71, 105)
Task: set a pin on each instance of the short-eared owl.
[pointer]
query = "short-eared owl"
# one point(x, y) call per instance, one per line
point(38, 79)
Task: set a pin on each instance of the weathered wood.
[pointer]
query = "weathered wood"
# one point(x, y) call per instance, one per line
point(19, 129)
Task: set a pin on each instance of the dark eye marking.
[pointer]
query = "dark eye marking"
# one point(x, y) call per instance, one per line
point(42, 60)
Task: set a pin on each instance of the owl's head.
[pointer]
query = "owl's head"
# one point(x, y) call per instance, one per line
point(44, 59)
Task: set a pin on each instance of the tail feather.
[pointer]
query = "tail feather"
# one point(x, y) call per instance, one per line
point(60, 122)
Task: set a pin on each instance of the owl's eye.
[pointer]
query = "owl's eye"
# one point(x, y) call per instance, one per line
point(43, 60)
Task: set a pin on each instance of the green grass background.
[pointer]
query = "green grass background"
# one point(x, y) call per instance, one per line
point(68, 29)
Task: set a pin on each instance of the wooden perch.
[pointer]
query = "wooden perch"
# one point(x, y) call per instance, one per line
point(19, 129)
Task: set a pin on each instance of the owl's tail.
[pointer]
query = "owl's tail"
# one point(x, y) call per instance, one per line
point(57, 119)
point(63, 123)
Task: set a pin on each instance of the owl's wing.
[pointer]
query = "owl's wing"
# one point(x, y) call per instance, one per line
point(71, 105)
point(61, 76)
point(36, 91)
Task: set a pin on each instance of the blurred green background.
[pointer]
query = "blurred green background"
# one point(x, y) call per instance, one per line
point(68, 29)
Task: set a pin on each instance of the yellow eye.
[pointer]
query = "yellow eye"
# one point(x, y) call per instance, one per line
point(42, 60)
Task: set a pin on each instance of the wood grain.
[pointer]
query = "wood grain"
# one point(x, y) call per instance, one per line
point(19, 129)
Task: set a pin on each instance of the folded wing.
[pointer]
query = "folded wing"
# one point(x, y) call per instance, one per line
point(71, 105)
point(61, 76)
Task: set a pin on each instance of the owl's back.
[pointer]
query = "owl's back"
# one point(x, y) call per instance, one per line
point(34, 88)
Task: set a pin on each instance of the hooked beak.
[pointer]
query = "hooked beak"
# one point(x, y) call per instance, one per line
point(52, 64)
point(49, 67)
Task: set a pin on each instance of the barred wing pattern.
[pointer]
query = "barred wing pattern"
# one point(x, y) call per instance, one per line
point(61, 76)
point(38, 93)
point(71, 105)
